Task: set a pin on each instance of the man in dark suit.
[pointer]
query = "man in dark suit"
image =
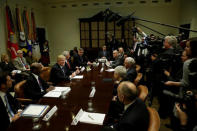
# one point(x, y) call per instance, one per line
point(80, 59)
point(59, 72)
point(104, 53)
point(117, 59)
point(9, 106)
point(129, 64)
point(68, 63)
point(35, 87)
point(136, 115)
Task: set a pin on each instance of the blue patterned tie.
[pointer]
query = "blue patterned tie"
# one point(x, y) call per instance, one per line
point(8, 106)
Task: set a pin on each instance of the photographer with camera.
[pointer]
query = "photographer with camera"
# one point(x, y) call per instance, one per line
point(185, 109)
point(191, 50)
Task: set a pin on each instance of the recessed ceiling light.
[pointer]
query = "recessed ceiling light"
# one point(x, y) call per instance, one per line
point(119, 3)
point(155, 1)
point(53, 6)
point(85, 4)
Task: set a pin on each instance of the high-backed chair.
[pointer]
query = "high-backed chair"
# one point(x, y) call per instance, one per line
point(19, 91)
point(45, 73)
point(138, 78)
point(154, 119)
point(143, 92)
point(138, 67)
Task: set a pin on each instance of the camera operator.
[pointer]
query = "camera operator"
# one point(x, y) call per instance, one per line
point(191, 50)
point(186, 110)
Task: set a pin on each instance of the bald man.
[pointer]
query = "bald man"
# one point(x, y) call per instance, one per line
point(136, 115)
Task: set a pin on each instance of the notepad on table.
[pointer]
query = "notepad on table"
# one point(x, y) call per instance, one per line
point(110, 70)
point(92, 118)
point(87, 117)
point(35, 110)
point(78, 77)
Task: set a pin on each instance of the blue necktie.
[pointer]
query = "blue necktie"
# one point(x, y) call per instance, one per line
point(8, 106)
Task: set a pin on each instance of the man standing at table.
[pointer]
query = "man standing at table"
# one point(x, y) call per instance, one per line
point(35, 87)
point(59, 72)
point(9, 106)
point(20, 62)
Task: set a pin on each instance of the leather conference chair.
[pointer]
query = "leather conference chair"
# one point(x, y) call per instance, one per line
point(138, 67)
point(143, 92)
point(19, 92)
point(45, 74)
point(154, 119)
point(138, 78)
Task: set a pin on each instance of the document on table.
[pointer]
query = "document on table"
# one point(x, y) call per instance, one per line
point(92, 118)
point(110, 70)
point(54, 94)
point(35, 110)
point(58, 91)
point(87, 117)
point(78, 77)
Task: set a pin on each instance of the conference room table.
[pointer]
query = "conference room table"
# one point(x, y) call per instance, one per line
point(78, 98)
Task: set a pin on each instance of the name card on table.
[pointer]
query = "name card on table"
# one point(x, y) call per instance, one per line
point(92, 92)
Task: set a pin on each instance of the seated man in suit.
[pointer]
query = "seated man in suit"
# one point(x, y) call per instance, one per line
point(121, 54)
point(80, 59)
point(104, 53)
point(20, 62)
point(9, 106)
point(68, 62)
point(59, 72)
point(35, 87)
point(129, 64)
point(136, 115)
point(116, 107)
point(117, 59)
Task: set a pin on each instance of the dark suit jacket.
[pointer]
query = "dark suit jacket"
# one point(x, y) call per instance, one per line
point(71, 66)
point(135, 118)
point(32, 88)
point(79, 62)
point(57, 75)
point(4, 119)
point(117, 62)
point(101, 54)
point(7, 67)
point(131, 74)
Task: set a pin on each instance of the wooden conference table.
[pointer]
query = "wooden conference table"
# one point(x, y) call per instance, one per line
point(77, 98)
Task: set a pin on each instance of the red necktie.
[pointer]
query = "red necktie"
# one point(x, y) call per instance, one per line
point(68, 64)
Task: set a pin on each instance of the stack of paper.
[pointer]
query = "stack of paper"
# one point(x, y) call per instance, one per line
point(34, 110)
point(110, 70)
point(92, 118)
point(58, 91)
point(78, 77)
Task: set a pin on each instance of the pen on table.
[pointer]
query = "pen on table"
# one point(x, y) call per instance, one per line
point(90, 117)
